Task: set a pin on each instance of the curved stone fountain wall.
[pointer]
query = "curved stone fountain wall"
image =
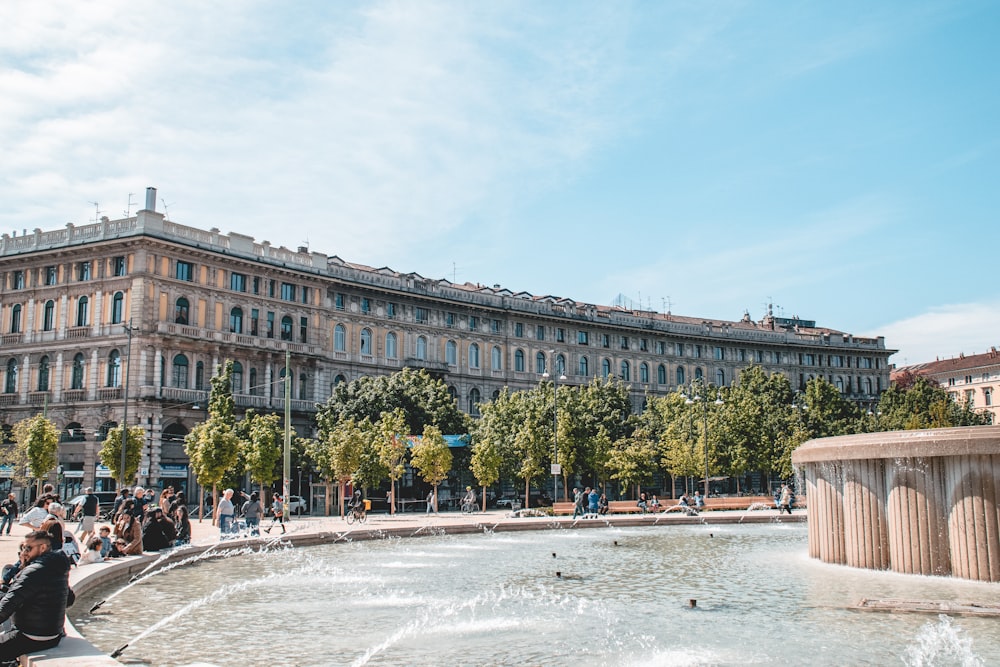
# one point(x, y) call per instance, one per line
point(918, 502)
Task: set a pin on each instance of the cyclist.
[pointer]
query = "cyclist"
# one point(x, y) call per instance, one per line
point(469, 500)
point(356, 505)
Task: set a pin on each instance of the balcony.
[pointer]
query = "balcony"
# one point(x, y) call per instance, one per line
point(109, 394)
point(9, 399)
point(74, 395)
point(39, 397)
point(184, 395)
point(77, 332)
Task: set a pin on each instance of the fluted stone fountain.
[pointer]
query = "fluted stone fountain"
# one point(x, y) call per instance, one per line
point(917, 502)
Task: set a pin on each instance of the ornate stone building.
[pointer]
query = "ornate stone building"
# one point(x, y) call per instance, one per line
point(195, 298)
point(973, 379)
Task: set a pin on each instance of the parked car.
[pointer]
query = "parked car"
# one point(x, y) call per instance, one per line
point(297, 505)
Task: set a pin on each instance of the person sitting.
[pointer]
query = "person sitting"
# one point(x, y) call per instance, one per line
point(104, 534)
point(93, 552)
point(117, 550)
point(643, 503)
point(357, 503)
point(654, 504)
point(129, 529)
point(602, 504)
point(699, 501)
point(182, 522)
point(684, 500)
point(158, 531)
point(470, 498)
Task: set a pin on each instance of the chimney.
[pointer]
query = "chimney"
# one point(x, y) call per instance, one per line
point(150, 199)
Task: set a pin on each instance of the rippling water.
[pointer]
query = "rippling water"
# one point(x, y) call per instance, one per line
point(623, 599)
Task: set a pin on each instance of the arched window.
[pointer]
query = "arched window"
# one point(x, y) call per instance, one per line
point(661, 374)
point(15, 318)
point(76, 380)
point(340, 379)
point(181, 311)
point(626, 374)
point(606, 368)
point(366, 341)
point(680, 375)
point(286, 328)
point(496, 359)
point(179, 377)
point(474, 400)
point(421, 348)
point(281, 385)
point(49, 316)
point(82, 311)
point(340, 338)
point(391, 351)
point(560, 364)
point(451, 353)
point(454, 394)
point(237, 377)
point(519, 361)
point(540, 363)
point(474, 355)
point(236, 320)
point(253, 389)
point(840, 384)
point(43, 374)
point(644, 372)
point(10, 386)
point(584, 367)
point(117, 307)
point(496, 394)
point(720, 378)
point(199, 375)
point(698, 374)
point(114, 369)
point(868, 385)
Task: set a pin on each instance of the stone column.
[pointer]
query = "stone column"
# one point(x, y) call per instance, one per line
point(866, 538)
point(829, 530)
point(917, 525)
point(973, 493)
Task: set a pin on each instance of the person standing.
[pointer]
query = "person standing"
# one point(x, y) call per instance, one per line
point(430, 501)
point(90, 509)
point(252, 512)
point(225, 513)
point(36, 599)
point(786, 499)
point(577, 502)
point(592, 502)
point(123, 495)
point(9, 510)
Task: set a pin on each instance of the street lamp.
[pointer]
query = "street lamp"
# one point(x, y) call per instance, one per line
point(704, 418)
point(129, 330)
point(555, 424)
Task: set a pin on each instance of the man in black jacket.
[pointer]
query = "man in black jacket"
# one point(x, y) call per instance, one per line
point(37, 599)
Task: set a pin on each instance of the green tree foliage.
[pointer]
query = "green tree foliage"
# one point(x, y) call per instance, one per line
point(261, 440)
point(372, 468)
point(431, 457)
point(37, 440)
point(914, 402)
point(212, 446)
point(421, 399)
point(669, 424)
point(604, 413)
point(111, 453)
point(392, 447)
point(827, 412)
point(634, 462)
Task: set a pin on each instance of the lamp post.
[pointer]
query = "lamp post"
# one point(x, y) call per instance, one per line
point(129, 330)
point(555, 424)
point(704, 418)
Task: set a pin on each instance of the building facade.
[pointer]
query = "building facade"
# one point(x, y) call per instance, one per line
point(196, 298)
point(973, 379)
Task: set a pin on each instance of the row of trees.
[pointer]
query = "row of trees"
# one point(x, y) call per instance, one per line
point(363, 431)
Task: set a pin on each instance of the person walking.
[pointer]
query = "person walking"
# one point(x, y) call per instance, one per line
point(277, 514)
point(88, 511)
point(430, 501)
point(577, 502)
point(36, 599)
point(9, 510)
point(786, 499)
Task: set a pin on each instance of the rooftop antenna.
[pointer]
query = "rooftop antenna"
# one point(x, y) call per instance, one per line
point(454, 271)
point(97, 211)
point(667, 304)
point(166, 211)
point(128, 209)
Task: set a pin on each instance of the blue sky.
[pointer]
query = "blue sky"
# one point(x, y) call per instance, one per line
point(839, 160)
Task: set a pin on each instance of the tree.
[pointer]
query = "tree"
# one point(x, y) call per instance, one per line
point(918, 402)
point(111, 452)
point(632, 462)
point(212, 446)
point(38, 442)
point(431, 457)
point(261, 440)
point(493, 436)
point(391, 444)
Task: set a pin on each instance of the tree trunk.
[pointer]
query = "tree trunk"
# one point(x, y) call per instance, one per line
point(484, 497)
point(215, 505)
point(527, 492)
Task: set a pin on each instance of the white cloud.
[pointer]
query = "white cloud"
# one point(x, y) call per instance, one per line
point(944, 332)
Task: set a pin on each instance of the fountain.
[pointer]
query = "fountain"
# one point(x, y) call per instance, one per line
point(916, 502)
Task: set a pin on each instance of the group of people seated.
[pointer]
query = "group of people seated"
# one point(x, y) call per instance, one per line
point(693, 504)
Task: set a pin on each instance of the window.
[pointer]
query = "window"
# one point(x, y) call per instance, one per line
point(643, 345)
point(661, 347)
point(184, 271)
point(236, 320)
point(338, 301)
point(390, 310)
point(10, 384)
point(644, 372)
point(951, 382)
point(539, 363)
point(51, 275)
point(254, 319)
point(605, 340)
point(866, 362)
point(253, 389)
point(519, 361)
point(82, 308)
point(473, 323)
point(474, 400)
point(179, 372)
point(540, 332)
point(270, 324)
point(584, 367)
point(237, 378)
point(76, 376)
point(495, 326)
point(181, 308)
point(626, 375)
point(366, 341)
point(421, 348)
point(582, 338)
point(970, 397)
point(699, 374)
point(391, 349)
point(286, 328)
point(83, 271)
point(560, 365)
point(451, 353)
point(366, 305)
point(968, 379)
point(256, 285)
point(720, 379)
point(420, 314)
point(988, 396)
point(697, 351)
point(199, 375)
point(114, 369)
point(807, 359)
point(449, 320)
point(118, 266)
point(758, 356)
point(661, 374)
point(270, 288)
point(117, 307)
point(496, 359)
point(48, 315)
point(305, 300)
point(473, 355)
point(287, 292)
point(606, 368)
point(303, 329)
point(237, 282)
point(718, 353)
point(679, 351)
point(15, 318)
point(339, 338)
point(680, 375)
point(43, 374)
point(518, 330)
point(18, 280)
point(560, 335)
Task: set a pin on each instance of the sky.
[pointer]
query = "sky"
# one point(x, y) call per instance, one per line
point(840, 161)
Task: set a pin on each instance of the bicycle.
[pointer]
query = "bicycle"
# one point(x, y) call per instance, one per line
point(469, 507)
point(356, 514)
